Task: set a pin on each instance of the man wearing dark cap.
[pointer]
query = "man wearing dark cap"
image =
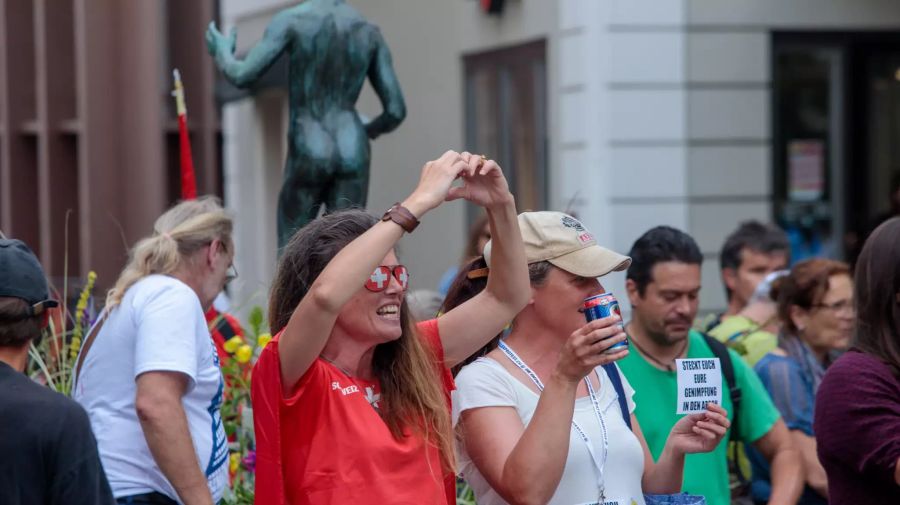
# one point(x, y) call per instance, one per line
point(48, 454)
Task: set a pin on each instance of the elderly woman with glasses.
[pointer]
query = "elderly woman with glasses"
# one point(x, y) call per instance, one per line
point(351, 401)
point(815, 309)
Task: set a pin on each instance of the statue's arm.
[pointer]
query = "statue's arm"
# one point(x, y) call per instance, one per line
point(387, 87)
point(243, 72)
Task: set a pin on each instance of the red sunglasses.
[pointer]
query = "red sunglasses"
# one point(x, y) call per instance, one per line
point(381, 277)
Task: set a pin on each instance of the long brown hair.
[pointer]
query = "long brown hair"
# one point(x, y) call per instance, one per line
point(408, 371)
point(878, 295)
point(804, 287)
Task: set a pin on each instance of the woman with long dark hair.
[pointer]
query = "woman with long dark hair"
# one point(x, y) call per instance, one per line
point(857, 417)
point(351, 400)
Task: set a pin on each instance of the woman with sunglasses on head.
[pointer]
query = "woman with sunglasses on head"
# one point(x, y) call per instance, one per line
point(351, 400)
point(815, 310)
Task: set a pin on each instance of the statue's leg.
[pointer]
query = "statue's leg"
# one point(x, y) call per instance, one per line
point(348, 191)
point(308, 174)
point(351, 183)
point(298, 202)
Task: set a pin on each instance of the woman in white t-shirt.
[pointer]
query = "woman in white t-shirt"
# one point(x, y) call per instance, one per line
point(148, 374)
point(538, 419)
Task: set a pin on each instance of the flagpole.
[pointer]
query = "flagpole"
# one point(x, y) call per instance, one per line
point(188, 179)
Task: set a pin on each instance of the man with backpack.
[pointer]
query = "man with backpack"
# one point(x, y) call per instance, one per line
point(663, 284)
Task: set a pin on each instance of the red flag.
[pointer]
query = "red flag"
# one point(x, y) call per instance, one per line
point(188, 179)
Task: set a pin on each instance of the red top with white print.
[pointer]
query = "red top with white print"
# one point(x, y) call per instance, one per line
point(326, 444)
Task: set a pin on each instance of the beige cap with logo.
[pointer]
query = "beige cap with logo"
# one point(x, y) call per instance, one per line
point(565, 243)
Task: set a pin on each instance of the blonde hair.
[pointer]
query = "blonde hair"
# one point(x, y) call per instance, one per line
point(177, 235)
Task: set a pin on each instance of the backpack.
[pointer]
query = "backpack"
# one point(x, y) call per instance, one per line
point(740, 484)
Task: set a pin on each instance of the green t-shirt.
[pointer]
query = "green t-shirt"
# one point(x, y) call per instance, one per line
point(705, 474)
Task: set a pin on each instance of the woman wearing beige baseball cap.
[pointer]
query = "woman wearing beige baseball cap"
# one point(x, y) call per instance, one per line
point(537, 417)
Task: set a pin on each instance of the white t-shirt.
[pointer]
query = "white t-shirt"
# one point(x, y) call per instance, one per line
point(486, 383)
point(159, 326)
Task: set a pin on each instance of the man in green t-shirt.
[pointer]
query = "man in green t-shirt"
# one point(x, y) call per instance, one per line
point(663, 284)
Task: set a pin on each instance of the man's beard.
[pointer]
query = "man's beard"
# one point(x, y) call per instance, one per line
point(663, 339)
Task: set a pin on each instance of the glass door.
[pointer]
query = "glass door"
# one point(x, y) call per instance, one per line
point(808, 148)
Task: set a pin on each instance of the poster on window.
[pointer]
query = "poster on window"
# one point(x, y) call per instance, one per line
point(806, 170)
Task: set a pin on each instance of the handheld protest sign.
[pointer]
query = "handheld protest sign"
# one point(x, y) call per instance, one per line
point(699, 383)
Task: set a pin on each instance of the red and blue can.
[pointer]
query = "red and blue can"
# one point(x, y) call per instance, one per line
point(605, 305)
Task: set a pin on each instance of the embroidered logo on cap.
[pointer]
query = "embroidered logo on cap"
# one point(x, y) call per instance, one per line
point(570, 222)
point(585, 237)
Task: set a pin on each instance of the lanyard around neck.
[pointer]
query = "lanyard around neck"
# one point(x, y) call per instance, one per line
point(595, 403)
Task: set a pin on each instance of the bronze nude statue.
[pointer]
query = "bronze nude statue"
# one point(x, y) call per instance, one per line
point(331, 50)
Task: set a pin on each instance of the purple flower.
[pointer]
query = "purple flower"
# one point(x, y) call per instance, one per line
point(250, 461)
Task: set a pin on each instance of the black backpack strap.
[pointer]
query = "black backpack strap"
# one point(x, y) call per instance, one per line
point(612, 371)
point(721, 351)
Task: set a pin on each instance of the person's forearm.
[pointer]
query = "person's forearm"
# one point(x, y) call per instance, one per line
point(535, 466)
point(347, 271)
point(508, 281)
point(240, 73)
point(667, 474)
point(787, 477)
point(389, 120)
point(166, 430)
point(897, 472)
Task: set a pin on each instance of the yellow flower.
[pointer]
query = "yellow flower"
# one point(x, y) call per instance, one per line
point(74, 347)
point(244, 353)
point(234, 461)
point(232, 344)
point(264, 340)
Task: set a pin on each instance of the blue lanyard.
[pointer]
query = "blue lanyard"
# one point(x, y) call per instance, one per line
point(595, 403)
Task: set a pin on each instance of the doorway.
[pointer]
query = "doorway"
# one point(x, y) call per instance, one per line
point(836, 122)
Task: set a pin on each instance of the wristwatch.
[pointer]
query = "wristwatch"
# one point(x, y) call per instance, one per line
point(402, 216)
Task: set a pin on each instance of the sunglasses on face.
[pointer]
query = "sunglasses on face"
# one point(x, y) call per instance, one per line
point(381, 277)
point(231, 274)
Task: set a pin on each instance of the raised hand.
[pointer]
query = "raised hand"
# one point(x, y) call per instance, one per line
point(435, 182)
point(700, 432)
point(583, 351)
point(216, 42)
point(483, 183)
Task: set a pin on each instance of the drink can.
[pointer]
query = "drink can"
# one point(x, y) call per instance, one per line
point(605, 305)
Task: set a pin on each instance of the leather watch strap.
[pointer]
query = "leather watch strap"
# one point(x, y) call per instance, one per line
point(402, 216)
